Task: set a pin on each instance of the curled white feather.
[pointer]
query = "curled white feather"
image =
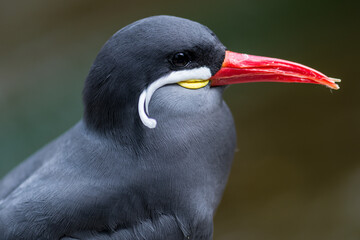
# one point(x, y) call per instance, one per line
point(202, 73)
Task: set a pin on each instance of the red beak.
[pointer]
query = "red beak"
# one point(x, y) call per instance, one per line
point(242, 68)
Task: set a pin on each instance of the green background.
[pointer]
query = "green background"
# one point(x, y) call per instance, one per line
point(296, 174)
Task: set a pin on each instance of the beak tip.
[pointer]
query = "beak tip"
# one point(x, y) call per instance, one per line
point(335, 79)
point(333, 82)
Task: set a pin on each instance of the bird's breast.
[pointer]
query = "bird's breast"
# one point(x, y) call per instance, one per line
point(189, 153)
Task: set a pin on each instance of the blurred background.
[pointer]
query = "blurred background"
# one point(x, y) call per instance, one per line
point(296, 174)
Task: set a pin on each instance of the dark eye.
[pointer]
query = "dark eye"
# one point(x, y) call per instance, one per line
point(180, 59)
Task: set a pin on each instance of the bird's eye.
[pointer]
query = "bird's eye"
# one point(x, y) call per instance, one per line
point(180, 59)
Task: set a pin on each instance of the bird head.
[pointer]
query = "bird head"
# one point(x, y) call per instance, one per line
point(169, 51)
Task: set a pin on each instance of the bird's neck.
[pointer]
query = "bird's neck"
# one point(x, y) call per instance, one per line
point(110, 107)
point(110, 98)
point(115, 119)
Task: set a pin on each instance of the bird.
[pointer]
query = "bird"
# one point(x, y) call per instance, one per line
point(151, 156)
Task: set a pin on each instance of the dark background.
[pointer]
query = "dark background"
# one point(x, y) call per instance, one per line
point(296, 174)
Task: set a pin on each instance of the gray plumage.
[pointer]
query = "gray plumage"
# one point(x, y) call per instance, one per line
point(110, 177)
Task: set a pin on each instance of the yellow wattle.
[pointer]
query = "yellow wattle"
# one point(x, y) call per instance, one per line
point(194, 84)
